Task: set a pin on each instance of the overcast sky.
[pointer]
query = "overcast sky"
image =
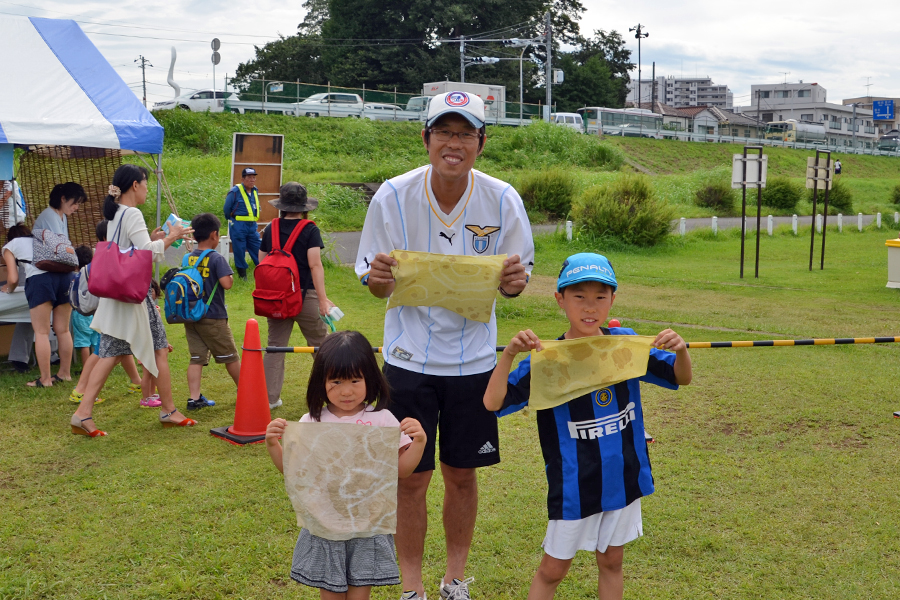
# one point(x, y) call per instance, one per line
point(838, 45)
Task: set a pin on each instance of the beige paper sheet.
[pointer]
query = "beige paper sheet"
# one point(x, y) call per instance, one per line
point(467, 285)
point(567, 369)
point(342, 478)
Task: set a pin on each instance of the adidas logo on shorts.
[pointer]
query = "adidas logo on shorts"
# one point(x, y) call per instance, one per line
point(487, 448)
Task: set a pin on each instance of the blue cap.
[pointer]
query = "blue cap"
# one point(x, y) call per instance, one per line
point(586, 266)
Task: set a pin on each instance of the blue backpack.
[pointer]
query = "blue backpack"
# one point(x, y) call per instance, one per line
point(184, 293)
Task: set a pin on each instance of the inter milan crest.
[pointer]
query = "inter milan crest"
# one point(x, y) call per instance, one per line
point(482, 238)
point(602, 397)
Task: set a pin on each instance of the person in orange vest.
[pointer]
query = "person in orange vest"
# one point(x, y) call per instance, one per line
point(242, 212)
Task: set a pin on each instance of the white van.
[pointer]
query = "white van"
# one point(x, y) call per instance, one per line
point(571, 120)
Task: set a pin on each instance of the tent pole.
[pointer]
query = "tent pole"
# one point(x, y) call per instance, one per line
point(158, 197)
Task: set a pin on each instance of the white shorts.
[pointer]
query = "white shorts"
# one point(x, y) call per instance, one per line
point(595, 533)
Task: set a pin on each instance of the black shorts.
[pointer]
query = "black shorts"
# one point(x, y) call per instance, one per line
point(48, 287)
point(468, 431)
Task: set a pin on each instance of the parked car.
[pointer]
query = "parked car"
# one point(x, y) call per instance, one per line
point(333, 104)
point(570, 120)
point(418, 103)
point(379, 111)
point(201, 101)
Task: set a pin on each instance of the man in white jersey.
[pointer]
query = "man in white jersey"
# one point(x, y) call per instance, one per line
point(438, 363)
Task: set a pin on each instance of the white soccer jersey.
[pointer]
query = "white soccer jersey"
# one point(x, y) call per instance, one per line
point(404, 215)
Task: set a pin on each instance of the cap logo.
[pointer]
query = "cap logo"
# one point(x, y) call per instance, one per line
point(577, 270)
point(457, 99)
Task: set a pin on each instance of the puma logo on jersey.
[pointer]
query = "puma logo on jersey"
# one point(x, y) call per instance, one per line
point(366, 260)
point(449, 239)
point(482, 236)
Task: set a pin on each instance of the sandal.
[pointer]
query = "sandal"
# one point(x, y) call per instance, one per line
point(166, 422)
point(134, 388)
point(79, 429)
point(151, 402)
point(76, 397)
point(37, 384)
point(58, 379)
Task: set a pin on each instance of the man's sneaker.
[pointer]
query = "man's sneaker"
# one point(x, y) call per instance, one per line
point(276, 404)
point(201, 403)
point(412, 596)
point(456, 589)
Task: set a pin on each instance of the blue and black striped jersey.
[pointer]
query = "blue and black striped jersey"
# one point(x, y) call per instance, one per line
point(593, 446)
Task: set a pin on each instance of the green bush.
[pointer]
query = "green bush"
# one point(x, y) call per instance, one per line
point(780, 193)
point(628, 209)
point(716, 194)
point(549, 191)
point(895, 195)
point(840, 198)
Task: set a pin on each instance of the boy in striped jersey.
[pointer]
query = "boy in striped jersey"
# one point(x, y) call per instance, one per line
point(594, 449)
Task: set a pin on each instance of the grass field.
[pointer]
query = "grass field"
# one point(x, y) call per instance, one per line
point(775, 469)
point(321, 152)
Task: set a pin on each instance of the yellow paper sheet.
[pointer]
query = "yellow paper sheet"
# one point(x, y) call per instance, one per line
point(567, 369)
point(342, 478)
point(467, 285)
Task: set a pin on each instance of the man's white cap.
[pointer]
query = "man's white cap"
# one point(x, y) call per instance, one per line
point(468, 105)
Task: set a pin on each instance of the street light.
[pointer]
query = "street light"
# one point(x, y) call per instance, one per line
point(523, 44)
point(639, 35)
point(266, 91)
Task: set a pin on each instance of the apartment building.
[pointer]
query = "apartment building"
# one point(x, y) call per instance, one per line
point(683, 92)
point(882, 125)
point(808, 102)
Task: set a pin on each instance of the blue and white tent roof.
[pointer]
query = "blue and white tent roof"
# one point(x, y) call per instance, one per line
point(58, 89)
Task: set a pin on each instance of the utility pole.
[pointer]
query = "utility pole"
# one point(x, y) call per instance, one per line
point(854, 126)
point(639, 35)
point(462, 59)
point(144, 64)
point(653, 89)
point(549, 75)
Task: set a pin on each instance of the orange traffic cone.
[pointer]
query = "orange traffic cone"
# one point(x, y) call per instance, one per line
point(251, 412)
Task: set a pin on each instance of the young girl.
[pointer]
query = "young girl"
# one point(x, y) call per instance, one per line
point(346, 386)
point(148, 387)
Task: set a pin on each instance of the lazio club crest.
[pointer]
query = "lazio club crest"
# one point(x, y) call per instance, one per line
point(482, 237)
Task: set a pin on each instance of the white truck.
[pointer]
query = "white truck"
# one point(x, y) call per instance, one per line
point(494, 96)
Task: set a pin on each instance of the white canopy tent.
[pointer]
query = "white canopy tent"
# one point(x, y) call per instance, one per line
point(64, 92)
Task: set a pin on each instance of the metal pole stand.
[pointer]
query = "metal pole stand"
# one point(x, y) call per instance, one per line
point(815, 174)
point(756, 180)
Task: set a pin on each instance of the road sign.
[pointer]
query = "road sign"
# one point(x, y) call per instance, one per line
point(216, 44)
point(216, 58)
point(883, 110)
point(753, 175)
point(276, 87)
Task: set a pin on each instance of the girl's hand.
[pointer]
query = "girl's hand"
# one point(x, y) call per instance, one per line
point(413, 429)
point(524, 341)
point(669, 340)
point(275, 430)
point(171, 348)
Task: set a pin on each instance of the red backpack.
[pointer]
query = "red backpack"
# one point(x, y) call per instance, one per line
point(278, 294)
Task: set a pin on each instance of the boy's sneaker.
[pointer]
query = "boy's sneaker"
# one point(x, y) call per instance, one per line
point(276, 404)
point(201, 403)
point(456, 589)
point(151, 402)
point(412, 596)
point(648, 437)
point(897, 414)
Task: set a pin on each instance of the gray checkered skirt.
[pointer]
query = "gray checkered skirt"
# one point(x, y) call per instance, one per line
point(111, 346)
point(335, 565)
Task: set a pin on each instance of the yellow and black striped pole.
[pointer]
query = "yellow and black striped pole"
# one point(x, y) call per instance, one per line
point(691, 345)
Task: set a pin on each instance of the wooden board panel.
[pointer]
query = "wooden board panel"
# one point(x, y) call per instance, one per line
point(263, 152)
point(258, 148)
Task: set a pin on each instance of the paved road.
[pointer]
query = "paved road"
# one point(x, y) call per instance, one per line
point(347, 242)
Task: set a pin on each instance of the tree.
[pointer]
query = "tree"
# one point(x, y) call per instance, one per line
point(596, 73)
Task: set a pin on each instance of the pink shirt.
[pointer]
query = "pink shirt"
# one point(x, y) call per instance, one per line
point(367, 416)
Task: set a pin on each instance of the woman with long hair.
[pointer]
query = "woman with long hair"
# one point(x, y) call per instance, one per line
point(131, 328)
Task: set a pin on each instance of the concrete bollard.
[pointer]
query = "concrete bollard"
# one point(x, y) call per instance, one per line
point(840, 223)
point(569, 230)
point(819, 223)
point(878, 220)
point(715, 225)
point(896, 218)
point(859, 222)
point(681, 225)
point(794, 224)
point(770, 224)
